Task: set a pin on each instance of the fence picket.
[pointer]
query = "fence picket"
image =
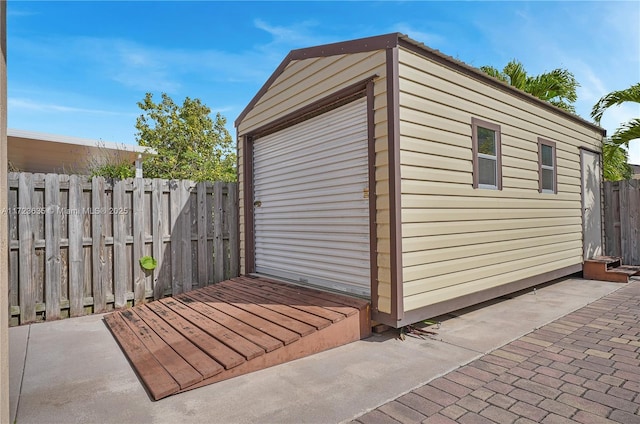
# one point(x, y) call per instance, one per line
point(119, 245)
point(218, 243)
point(27, 252)
point(201, 190)
point(185, 238)
point(157, 216)
point(138, 240)
point(98, 259)
point(53, 274)
point(76, 254)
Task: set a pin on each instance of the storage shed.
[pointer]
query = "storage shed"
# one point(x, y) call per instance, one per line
point(382, 168)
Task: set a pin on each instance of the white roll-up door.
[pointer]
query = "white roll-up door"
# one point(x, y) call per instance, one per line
point(311, 210)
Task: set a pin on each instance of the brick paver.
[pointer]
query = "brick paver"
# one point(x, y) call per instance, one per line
point(581, 368)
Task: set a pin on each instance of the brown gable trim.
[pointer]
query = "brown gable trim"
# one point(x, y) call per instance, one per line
point(379, 42)
point(395, 207)
point(470, 71)
point(334, 100)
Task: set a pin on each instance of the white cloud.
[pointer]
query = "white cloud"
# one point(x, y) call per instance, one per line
point(33, 105)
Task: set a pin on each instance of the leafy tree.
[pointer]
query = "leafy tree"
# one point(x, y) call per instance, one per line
point(189, 144)
point(557, 87)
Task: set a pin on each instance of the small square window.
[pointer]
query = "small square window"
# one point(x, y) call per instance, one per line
point(487, 161)
point(547, 169)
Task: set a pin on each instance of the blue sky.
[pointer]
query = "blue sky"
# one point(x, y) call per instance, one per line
point(79, 68)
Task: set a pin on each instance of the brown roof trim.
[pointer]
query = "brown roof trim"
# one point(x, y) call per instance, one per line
point(463, 68)
point(379, 42)
point(388, 41)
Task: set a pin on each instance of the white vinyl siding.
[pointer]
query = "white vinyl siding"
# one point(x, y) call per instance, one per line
point(312, 204)
point(458, 240)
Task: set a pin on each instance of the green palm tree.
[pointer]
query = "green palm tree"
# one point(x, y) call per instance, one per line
point(629, 130)
point(614, 167)
point(557, 87)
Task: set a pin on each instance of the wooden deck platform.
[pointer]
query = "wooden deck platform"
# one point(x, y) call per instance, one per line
point(232, 328)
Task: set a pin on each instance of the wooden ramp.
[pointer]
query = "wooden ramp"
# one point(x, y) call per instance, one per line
point(232, 328)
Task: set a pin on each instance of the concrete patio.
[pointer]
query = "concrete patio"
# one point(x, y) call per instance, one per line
point(73, 371)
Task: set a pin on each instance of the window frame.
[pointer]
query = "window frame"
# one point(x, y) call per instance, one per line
point(475, 123)
point(552, 144)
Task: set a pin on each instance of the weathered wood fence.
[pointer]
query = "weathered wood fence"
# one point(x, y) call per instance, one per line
point(75, 243)
point(622, 220)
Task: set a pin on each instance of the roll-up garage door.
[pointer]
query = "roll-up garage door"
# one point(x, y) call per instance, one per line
point(311, 206)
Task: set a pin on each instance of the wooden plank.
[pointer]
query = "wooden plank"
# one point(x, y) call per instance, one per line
point(334, 297)
point(199, 360)
point(76, 254)
point(27, 294)
point(218, 228)
point(185, 237)
point(176, 205)
point(156, 379)
point(98, 249)
point(157, 216)
point(199, 303)
point(298, 302)
point(277, 305)
point(138, 241)
point(203, 259)
point(221, 353)
point(53, 270)
point(275, 330)
point(179, 369)
point(302, 328)
point(297, 296)
point(231, 339)
point(234, 236)
point(120, 262)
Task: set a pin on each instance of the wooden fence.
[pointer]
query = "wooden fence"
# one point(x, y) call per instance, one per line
point(622, 220)
point(75, 243)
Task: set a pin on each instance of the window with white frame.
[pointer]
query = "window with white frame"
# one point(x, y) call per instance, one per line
point(487, 157)
point(547, 168)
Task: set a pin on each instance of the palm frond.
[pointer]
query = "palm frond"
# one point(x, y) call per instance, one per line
point(627, 132)
point(631, 94)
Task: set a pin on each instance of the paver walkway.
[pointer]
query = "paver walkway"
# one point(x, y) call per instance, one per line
point(582, 368)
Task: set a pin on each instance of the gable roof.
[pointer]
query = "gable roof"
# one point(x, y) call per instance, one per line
point(392, 40)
